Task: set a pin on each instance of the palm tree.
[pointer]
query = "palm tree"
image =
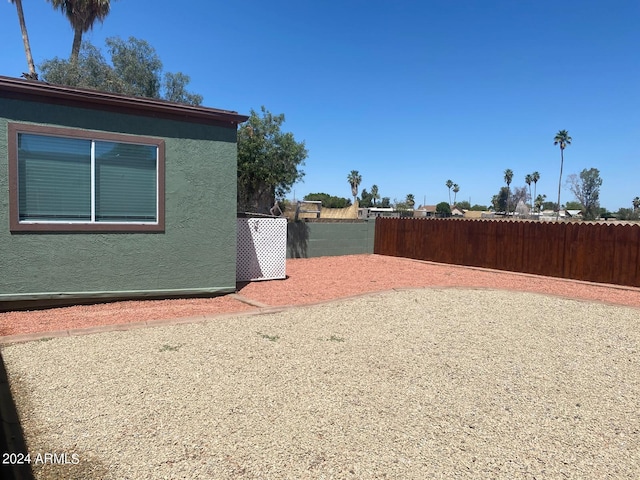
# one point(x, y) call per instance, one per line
point(82, 14)
point(456, 189)
point(354, 180)
point(539, 202)
point(636, 204)
point(449, 184)
point(528, 179)
point(508, 177)
point(535, 176)
point(374, 194)
point(25, 39)
point(563, 139)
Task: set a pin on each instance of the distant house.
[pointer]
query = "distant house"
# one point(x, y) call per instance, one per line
point(425, 211)
point(375, 212)
point(457, 211)
point(475, 214)
point(109, 196)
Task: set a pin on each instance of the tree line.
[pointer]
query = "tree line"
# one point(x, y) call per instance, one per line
point(269, 159)
point(135, 67)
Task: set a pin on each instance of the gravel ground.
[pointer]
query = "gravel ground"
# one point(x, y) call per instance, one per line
point(412, 384)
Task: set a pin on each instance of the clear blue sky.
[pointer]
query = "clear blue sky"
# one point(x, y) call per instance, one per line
point(409, 93)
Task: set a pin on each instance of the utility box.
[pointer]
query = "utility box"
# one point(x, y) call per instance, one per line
point(262, 249)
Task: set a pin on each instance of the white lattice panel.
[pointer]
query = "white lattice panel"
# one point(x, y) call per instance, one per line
point(262, 249)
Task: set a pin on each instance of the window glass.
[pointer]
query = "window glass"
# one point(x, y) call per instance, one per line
point(126, 182)
point(55, 178)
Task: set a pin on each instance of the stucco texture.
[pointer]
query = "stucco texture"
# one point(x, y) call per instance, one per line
point(195, 253)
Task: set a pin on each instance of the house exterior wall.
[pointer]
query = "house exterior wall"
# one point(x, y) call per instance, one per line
point(196, 253)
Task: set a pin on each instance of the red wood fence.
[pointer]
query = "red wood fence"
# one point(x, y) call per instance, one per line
point(594, 252)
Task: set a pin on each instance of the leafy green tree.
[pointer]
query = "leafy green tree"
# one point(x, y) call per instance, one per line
point(175, 89)
point(410, 201)
point(354, 179)
point(627, 214)
point(606, 214)
point(499, 201)
point(268, 161)
point(136, 70)
point(329, 201)
point(508, 178)
point(464, 204)
point(586, 188)
point(25, 40)
point(478, 208)
point(385, 203)
point(449, 185)
point(573, 206)
point(400, 206)
point(539, 202)
point(82, 15)
point(91, 71)
point(636, 204)
point(138, 66)
point(443, 209)
point(562, 139)
point(366, 199)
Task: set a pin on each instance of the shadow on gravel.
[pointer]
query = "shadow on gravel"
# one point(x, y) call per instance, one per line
point(74, 465)
point(12, 443)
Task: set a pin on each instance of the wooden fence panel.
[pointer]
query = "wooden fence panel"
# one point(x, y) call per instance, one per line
point(626, 255)
point(593, 252)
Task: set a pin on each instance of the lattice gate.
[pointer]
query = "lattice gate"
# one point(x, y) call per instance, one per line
point(262, 249)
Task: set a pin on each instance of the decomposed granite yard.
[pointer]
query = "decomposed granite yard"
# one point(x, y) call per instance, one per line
point(408, 384)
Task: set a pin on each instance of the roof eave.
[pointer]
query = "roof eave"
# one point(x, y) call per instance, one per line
point(59, 94)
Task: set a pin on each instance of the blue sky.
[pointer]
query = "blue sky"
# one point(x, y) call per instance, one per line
point(409, 93)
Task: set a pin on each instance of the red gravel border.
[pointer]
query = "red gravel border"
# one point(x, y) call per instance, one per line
point(309, 281)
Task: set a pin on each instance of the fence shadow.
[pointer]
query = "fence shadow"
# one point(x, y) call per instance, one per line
point(297, 239)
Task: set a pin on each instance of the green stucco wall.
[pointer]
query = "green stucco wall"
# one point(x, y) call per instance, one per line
point(310, 239)
point(195, 254)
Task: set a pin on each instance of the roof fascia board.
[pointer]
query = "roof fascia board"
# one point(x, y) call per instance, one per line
point(57, 94)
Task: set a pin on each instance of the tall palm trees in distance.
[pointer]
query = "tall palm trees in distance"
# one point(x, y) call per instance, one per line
point(456, 189)
point(535, 176)
point(375, 195)
point(354, 179)
point(563, 139)
point(529, 179)
point(508, 178)
point(82, 14)
point(25, 39)
point(449, 184)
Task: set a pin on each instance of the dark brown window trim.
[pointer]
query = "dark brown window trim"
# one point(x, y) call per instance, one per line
point(14, 213)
